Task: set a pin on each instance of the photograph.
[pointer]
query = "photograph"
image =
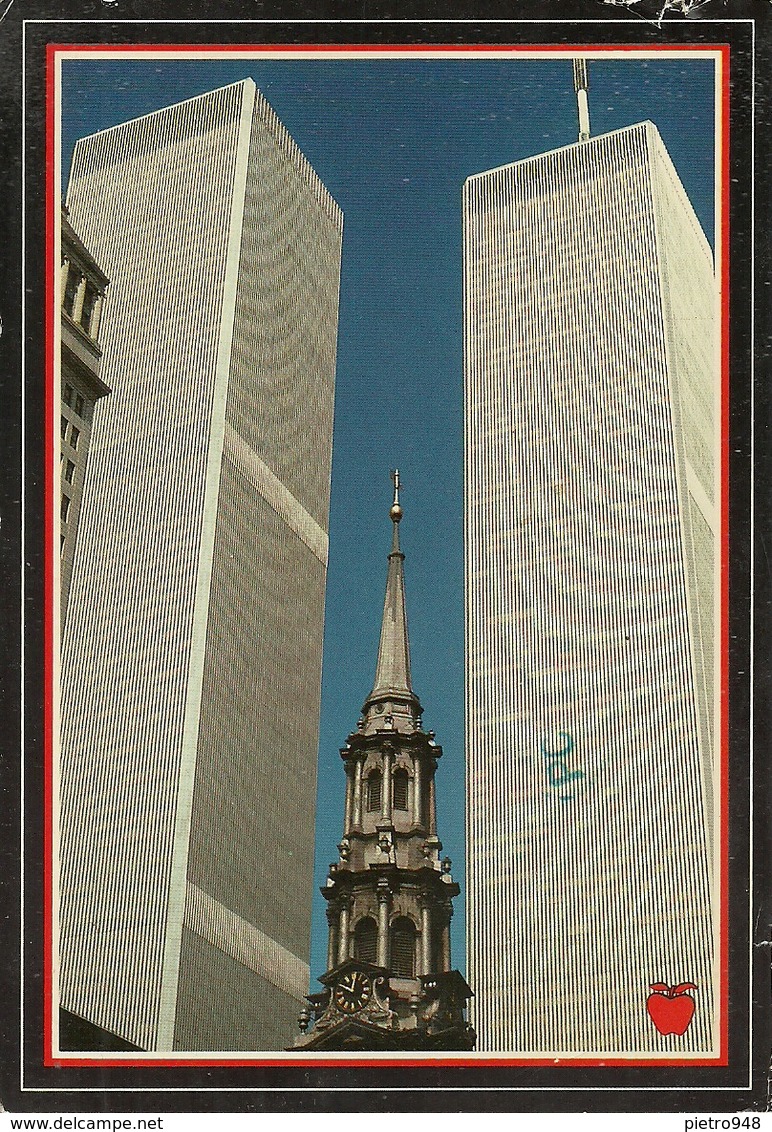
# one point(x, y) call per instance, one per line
point(391, 474)
point(207, 273)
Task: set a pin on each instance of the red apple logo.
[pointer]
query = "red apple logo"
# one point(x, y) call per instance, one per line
point(671, 1008)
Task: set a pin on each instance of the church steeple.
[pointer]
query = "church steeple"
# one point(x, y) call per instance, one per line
point(392, 671)
point(389, 983)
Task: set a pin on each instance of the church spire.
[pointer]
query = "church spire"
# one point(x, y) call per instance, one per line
point(389, 983)
point(392, 670)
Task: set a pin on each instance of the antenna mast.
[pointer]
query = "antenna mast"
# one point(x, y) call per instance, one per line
point(581, 84)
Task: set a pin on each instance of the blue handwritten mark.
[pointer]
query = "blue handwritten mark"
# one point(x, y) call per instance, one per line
point(558, 773)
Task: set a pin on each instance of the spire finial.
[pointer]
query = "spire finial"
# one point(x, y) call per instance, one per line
point(395, 514)
point(581, 86)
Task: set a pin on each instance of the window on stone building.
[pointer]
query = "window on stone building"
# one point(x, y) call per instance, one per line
point(65, 507)
point(366, 940)
point(79, 404)
point(89, 300)
point(374, 792)
point(74, 436)
point(64, 427)
point(67, 395)
point(403, 940)
point(69, 471)
point(71, 290)
point(400, 789)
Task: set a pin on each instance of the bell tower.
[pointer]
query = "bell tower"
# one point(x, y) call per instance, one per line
point(389, 982)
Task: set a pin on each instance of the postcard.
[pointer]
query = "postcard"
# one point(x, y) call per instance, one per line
point(387, 529)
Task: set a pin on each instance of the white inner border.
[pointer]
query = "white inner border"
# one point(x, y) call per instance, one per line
point(504, 1059)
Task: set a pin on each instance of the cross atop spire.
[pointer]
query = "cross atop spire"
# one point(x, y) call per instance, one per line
point(395, 514)
point(392, 671)
point(396, 481)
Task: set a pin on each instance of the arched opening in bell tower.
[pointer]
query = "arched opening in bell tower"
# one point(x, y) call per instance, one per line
point(374, 786)
point(366, 940)
point(403, 945)
point(401, 781)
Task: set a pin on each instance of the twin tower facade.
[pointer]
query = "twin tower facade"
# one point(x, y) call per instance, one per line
point(191, 658)
point(191, 655)
point(592, 537)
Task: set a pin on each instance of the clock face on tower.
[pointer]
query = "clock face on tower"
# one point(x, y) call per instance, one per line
point(353, 992)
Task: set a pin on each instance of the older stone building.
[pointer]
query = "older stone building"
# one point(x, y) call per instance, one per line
point(83, 286)
point(390, 983)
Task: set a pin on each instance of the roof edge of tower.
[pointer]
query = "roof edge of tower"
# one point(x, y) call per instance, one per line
point(246, 82)
point(644, 124)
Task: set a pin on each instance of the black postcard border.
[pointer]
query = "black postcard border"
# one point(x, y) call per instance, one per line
point(25, 1084)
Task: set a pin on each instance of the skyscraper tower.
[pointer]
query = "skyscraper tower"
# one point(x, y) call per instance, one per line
point(389, 983)
point(191, 659)
point(592, 510)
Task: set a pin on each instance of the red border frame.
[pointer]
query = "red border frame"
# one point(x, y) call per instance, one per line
point(306, 1062)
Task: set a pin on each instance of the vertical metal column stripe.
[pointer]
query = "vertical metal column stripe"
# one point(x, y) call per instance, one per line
point(589, 387)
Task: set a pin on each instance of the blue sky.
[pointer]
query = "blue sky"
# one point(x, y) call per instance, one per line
point(393, 141)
